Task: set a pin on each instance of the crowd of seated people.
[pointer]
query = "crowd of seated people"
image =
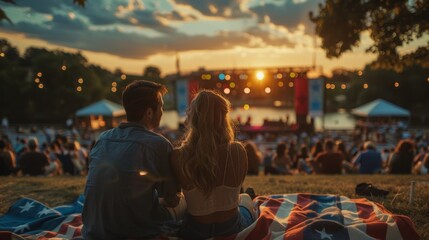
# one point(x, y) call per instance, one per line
point(289, 155)
point(26, 157)
point(329, 156)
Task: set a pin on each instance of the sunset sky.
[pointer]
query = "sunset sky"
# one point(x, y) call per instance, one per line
point(131, 34)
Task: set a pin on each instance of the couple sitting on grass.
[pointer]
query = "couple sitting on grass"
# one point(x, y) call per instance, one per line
point(135, 180)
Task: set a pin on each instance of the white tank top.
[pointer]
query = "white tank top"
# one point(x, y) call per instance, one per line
point(222, 198)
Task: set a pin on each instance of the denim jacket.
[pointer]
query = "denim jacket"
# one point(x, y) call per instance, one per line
point(129, 170)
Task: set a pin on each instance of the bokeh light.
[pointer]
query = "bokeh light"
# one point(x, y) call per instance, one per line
point(227, 90)
point(267, 90)
point(221, 76)
point(260, 75)
point(246, 90)
point(246, 107)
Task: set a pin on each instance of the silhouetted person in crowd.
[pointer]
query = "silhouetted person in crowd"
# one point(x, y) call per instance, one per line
point(7, 159)
point(34, 162)
point(329, 161)
point(281, 161)
point(368, 161)
point(401, 160)
point(253, 157)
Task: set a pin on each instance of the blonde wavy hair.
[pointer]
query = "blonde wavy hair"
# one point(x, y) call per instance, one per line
point(208, 126)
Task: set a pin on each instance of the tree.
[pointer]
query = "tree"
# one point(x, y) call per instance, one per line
point(391, 24)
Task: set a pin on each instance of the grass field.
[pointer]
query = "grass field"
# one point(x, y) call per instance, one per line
point(60, 190)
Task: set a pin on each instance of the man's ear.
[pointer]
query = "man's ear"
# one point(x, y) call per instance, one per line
point(149, 113)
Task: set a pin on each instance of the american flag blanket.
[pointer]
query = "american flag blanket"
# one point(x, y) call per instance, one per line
point(289, 216)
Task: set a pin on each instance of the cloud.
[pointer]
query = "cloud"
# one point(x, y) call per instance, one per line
point(126, 29)
point(288, 14)
point(128, 44)
point(177, 16)
point(221, 8)
point(268, 38)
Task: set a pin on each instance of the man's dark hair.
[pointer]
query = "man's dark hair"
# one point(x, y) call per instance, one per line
point(140, 95)
point(329, 144)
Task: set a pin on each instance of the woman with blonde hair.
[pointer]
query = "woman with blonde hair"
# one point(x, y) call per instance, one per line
point(211, 168)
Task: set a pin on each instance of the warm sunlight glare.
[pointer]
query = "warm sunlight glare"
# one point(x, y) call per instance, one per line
point(260, 75)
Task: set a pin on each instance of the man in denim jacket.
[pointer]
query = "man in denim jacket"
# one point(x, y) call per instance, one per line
point(130, 184)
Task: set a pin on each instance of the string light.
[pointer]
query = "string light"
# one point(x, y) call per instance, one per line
point(280, 84)
point(2, 55)
point(39, 74)
point(279, 76)
point(396, 84)
point(365, 85)
point(343, 86)
point(113, 89)
point(232, 85)
point(114, 84)
point(246, 90)
point(79, 89)
point(267, 90)
point(227, 90)
point(37, 80)
point(123, 77)
point(290, 84)
point(246, 107)
point(227, 77)
point(41, 85)
point(64, 67)
point(80, 80)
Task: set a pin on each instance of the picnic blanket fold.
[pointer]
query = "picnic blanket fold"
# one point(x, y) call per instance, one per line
point(283, 216)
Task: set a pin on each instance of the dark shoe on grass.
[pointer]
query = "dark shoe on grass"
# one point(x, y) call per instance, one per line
point(367, 189)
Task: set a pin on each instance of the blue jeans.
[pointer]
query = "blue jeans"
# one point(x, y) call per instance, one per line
point(194, 230)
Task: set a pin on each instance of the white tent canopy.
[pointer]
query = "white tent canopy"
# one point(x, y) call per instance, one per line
point(102, 108)
point(380, 108)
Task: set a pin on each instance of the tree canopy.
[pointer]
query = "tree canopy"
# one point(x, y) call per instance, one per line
point(390, 23)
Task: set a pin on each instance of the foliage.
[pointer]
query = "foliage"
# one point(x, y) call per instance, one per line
point(46, 86)
point(391, 24)
point(55, 191)
point(408, 89)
